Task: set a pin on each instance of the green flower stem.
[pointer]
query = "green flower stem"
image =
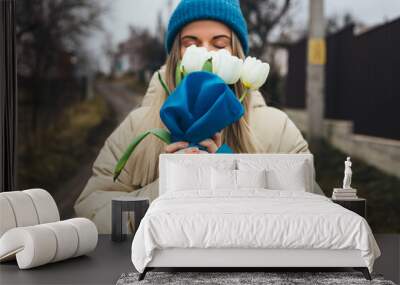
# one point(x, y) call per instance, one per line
point(163, 83)
point(178, 73)
point(246, 91)
point(207, 66)
point(162, 134)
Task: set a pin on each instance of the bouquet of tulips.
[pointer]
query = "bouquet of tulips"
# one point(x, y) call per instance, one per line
point(203, 101)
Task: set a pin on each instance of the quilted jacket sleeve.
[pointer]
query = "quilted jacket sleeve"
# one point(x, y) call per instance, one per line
point(95, 200)
point(291, 139)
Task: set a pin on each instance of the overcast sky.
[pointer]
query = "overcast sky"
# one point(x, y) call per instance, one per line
point(144, 13)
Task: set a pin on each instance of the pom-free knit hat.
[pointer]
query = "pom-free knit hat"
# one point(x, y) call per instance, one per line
point(225, 11)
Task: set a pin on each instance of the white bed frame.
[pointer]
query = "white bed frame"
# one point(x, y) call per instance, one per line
point(249, 257)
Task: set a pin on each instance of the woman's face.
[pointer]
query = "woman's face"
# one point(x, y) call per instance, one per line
point(210, 34)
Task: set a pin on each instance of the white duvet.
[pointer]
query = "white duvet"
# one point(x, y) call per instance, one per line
point(251, 218)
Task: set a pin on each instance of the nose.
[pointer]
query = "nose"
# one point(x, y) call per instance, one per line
point(208, 46)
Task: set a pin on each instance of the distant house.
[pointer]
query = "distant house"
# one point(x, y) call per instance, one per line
point(127, 58)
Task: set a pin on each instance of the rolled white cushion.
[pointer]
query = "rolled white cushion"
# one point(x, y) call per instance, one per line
point(33, 246)
point(66, 238)
point(87, 235)
point(23, 208)
point(45, 205)
point(7, 218)
point(40, 244)
point(26, 208)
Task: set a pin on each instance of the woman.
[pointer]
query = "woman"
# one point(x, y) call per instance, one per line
point(213, 24)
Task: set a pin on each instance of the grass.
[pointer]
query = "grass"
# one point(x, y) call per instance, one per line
point(63, 147)
point(132, 83)
point(381, 190)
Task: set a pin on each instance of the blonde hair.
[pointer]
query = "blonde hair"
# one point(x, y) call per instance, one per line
point(238, 135)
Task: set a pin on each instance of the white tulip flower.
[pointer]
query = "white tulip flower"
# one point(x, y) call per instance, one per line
point(254, 73)
point(194, 58)
point(226, 66)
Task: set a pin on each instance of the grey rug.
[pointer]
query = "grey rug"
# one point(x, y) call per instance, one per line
point(228, 278)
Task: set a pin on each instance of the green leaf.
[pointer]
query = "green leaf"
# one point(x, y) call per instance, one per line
point(163, 83)
point(183, 71)
point(207, 66)
point(162, 134)
point(178, 74)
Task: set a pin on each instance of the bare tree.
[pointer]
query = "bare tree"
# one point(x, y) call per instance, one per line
point(337, 22)
point(145, 49)
point(110, 52)
point(46, 28)
point(50, 35)
point(263, 16)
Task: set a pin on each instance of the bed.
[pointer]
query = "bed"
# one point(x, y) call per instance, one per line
point(247, 211)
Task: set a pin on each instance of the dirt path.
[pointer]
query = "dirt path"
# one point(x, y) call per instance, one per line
point(121, 101)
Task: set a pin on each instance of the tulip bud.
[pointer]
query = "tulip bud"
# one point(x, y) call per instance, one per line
point(226, 66)
point(254, 73)
point(194, 59)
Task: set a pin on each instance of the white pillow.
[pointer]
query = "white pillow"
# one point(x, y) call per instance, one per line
point(200, 160)
point(182, 177)
point(223, 179)
point(251, 178)
point(237, 179)
point(290, 175)
point(293, 180)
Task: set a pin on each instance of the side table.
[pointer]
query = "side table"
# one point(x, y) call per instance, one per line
point(121, 208)
point(358, 205)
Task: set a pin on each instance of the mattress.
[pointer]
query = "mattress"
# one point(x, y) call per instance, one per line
point(250, 218)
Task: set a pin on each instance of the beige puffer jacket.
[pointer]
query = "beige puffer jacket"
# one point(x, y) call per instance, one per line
point(276, 132)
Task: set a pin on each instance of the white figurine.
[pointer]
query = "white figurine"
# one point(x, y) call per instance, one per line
point(347, 174)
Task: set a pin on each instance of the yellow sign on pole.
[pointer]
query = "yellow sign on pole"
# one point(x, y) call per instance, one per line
point(316, 51)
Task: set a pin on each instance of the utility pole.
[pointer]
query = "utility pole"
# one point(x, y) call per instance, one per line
point(315, 85)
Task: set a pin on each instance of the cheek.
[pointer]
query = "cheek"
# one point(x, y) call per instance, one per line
point(183, 49)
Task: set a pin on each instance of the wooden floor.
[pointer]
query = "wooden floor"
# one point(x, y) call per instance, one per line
point(111, 259)
point(389, 262)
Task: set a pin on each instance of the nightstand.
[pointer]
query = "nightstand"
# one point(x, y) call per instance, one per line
point(358, 206)
point(124, 207)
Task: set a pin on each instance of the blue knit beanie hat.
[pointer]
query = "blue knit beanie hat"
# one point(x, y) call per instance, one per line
point(225, 11)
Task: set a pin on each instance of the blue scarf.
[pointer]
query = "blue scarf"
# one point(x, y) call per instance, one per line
point(200, 106)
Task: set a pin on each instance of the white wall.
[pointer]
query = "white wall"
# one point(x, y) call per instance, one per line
point(382, 153)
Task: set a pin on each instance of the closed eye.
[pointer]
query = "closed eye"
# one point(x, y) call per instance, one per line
point(187, 41)
point(221, 41)
point(220, 45)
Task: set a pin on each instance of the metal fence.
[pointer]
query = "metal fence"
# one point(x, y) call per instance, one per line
point(362, 81)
